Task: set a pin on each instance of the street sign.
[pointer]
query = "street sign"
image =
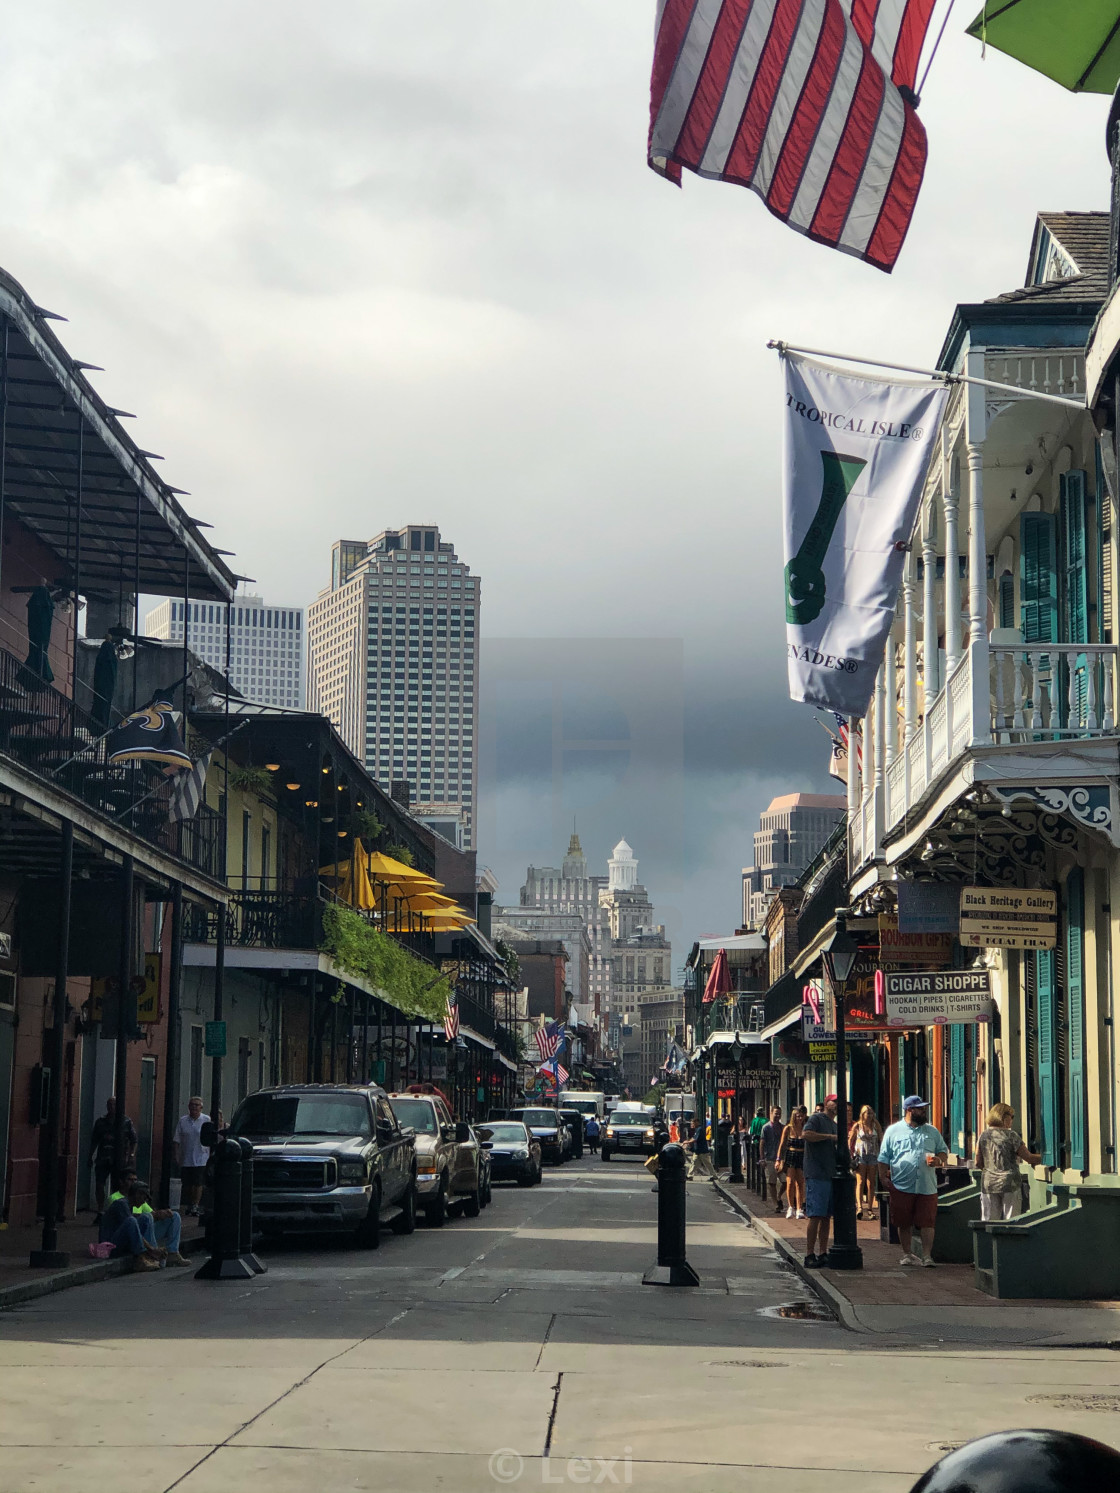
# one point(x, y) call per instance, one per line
point(215, 1038)
point(925, 950)
point(1007, 918)
point(942, 997)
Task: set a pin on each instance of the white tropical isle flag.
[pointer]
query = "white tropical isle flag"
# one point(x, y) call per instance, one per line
point(856, 452)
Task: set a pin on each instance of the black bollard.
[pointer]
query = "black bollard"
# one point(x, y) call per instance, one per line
point(759, 1167)
point(245, 1249)
point(672, 1268)
point(225, 1262)
point(1026, 1462)
point(722, 1132)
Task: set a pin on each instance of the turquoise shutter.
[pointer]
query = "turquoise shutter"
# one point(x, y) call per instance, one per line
point(1075, 979)
point(1038, 579)
point(1074, 596)
point(1104, 554)
point(957, 1086)
point(1046, 986)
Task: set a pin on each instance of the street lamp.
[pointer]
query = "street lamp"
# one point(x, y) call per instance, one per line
point(838, 957)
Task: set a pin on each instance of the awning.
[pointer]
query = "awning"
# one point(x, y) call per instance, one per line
point(727, 1039)
point(782, 1024)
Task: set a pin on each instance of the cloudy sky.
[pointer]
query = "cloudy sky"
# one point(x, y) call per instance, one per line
point(361, 264)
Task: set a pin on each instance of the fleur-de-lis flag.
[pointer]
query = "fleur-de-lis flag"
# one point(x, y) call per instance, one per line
point(149, 735)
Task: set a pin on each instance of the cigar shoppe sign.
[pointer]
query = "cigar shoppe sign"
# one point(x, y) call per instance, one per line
point(943, 997)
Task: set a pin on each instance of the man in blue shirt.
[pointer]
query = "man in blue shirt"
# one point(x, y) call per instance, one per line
point(909, 1156)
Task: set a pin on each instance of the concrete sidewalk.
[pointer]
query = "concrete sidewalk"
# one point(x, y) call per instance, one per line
point(930, 1306)
point(18, 1282)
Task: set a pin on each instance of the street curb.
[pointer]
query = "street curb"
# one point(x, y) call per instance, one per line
point(77, 1275)
point(821, 1288)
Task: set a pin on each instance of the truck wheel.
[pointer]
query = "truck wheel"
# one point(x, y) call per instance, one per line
point(435, 1212)
point(472, 1203)
point(405, 1221)
point(369, 1230)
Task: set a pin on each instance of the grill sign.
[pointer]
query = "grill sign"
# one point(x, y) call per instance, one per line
point(1005, 918)
point(938, 998)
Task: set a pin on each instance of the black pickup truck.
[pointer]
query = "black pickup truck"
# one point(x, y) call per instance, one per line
point(328, 1158)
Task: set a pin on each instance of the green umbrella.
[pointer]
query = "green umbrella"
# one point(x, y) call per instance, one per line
point(1075, 42)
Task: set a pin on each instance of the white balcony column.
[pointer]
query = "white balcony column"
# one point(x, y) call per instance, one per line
point(878, 801)
point(931, 659)
point(950, 498)
point(854, 792)
point(976, 423)
point(890, 714)
point(909, 650)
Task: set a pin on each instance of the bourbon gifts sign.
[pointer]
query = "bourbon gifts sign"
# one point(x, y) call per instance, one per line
point(1008, 918)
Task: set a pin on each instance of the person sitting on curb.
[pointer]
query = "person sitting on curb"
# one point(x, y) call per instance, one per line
point(909, 1157)
point(120, 1228)
point(160, 1226)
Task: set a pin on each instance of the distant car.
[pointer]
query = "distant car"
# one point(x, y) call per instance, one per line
point(513, 1150)
point(549, 1129)
point(447, 1157)
point(328, 1158)
point(630, 1133)
point(575, 1123)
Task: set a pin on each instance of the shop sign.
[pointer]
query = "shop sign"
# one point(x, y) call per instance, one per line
point(924, 950)
point(822, 1052)
point(943, 997)
point(928, 906)
point(820, 1031)
point(1007, 918)
point(145, 992)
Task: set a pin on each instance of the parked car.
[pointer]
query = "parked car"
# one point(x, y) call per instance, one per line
point(328, 1158)
point(485, 1174)
point(630, 1133)
point(514, 1152)
point(447, 1157)
point(549, 1129)
point(574, 1120)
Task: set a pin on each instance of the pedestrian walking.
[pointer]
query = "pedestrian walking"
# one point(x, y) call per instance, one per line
point(701, 1150)
point(769, 1144)
point(592, 1133)
point(864, 1140)
point(820, 1136)
point(191, 1155)
point(102, 1151)
point(998, 1152)
point(909, 1156)
point(791, 1162)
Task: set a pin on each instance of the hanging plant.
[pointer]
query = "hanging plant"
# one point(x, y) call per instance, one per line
point(250, 780)
point(406, 982)
point(367, 827)
point(398, 853)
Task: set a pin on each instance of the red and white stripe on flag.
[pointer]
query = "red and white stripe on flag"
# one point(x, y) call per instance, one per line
point(803, 101)
point(451, 1020)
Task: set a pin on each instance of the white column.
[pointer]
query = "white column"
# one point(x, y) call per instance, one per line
point(879, 789)
point(853, 769)
point(950, 497)
point(909, 652)
point(931, 682)
point(976, 424)
point(890, 715)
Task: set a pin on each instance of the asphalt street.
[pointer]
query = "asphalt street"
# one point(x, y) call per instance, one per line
point(518, 1349)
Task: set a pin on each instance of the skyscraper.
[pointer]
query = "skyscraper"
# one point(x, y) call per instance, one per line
point(393, 661)
point(791, 833)
point(266, 644)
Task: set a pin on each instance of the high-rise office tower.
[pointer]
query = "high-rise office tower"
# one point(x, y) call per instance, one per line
point(266, 644)
point(791, 833)
point(393, 661)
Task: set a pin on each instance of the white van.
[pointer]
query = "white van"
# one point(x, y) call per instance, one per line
point(678, 1105)
point(587, 1101)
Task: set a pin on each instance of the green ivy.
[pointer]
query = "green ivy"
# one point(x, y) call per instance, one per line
point(407, 982)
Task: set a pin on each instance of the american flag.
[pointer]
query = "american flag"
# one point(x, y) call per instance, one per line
point(555, 1072)
point(810, 103)
point(451, 1018)
point(548, 1039)
point(838, 762)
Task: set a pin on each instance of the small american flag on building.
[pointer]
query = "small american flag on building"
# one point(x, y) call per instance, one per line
point(451, 1018)
point(838, 766)
point(554, 1072)
point(548, 1039)
point(809, 103)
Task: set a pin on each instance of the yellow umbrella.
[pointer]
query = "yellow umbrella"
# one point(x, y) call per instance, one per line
point(385, 868)
point(426, 901)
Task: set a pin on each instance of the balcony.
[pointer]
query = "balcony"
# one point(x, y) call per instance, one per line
point(47, 734)
point(1000, 695)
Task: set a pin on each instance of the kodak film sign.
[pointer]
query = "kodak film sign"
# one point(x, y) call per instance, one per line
point(1008, 918)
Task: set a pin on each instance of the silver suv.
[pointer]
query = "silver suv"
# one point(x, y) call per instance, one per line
point(447, 1157)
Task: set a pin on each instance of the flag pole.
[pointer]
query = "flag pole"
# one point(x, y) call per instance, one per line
point(935, 373)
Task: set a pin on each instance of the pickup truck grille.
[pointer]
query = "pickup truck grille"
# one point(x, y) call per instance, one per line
point(293, 1174)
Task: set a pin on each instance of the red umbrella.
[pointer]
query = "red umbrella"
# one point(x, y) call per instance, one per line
point(719, 980)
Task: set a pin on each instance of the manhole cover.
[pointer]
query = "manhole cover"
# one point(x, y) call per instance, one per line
point(1101, 1403)
point(743, 1363)
point(944, 1446)
point(799, 1311)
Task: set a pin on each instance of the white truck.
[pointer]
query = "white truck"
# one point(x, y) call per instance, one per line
point(587, 1101)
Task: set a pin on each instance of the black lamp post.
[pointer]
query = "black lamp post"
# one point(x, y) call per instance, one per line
point(838, 957)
